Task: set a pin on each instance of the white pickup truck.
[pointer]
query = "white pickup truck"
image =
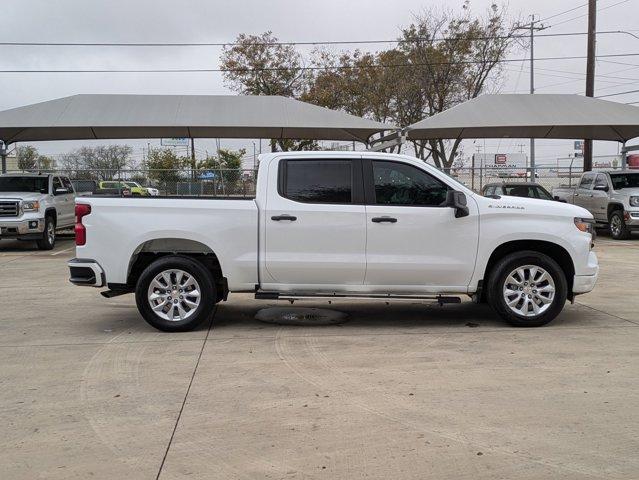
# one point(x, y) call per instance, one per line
point(33, 206)
point(336, 224)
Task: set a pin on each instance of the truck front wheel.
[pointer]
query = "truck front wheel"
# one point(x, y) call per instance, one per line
point(47, 242)
point(175, 294)
point(618, 228)
point(527, 289)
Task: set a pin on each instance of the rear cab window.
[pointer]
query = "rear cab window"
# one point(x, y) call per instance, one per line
point(318, 181)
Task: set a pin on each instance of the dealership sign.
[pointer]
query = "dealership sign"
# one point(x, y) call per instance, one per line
point(174, 142)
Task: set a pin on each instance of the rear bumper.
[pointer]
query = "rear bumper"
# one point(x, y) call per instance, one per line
point(86, 273)
point(18, 228)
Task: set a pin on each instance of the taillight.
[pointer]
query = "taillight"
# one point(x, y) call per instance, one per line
point(81, 210)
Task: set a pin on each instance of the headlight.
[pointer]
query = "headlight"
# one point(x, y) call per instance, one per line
point(30, 206)
point(586, 225)
point(634, 201)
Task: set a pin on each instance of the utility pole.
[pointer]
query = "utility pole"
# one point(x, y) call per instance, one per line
point(590, 73)
point(532, 27)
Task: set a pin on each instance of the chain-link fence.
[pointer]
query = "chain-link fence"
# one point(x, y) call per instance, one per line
point(241, 183)
point(185, 182)
point(477, 178)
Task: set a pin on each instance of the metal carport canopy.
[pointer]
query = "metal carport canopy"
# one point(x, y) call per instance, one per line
point(532, 116)
point(82, 117)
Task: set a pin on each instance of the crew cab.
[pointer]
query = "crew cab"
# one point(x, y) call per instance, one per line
point(33, 206)
point(611, 196)
point(337, 224)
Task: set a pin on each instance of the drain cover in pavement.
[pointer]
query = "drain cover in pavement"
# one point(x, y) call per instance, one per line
point(300, 316)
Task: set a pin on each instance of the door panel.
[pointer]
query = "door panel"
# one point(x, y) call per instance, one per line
point(599, 200)
point(426, 247)
point(583, 193)
point(314, 233)
point(60, 203)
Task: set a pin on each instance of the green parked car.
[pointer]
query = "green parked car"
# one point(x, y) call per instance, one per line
point(135, 188)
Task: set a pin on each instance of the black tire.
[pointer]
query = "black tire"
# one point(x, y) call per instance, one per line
point(503, 269)
point(192, 267)
point(618, 228)
point(47, 242)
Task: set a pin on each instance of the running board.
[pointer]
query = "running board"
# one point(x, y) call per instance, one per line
point(440, 299)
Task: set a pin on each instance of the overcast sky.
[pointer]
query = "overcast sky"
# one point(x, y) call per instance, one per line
point(290, 20)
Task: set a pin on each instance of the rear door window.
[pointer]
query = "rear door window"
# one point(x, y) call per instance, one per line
point(317, 181)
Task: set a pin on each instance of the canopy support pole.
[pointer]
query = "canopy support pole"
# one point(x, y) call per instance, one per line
point(3, 155)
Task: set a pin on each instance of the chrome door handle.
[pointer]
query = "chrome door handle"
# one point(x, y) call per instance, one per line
point(384, 220)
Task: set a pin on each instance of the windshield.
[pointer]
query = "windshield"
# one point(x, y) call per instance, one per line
point(24, 184)
point(132, 184)
point(624, 180)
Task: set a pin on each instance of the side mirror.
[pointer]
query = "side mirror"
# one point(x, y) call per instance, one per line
point(562, 200)
point(601, 188)
point(457, 200)
point(61, 191)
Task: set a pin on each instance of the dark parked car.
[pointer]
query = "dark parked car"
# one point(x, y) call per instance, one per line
point(517, 189)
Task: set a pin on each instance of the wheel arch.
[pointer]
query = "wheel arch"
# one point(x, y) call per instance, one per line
point(555, 251)
point(156, 248)
point(612, 206)
point(51, 211)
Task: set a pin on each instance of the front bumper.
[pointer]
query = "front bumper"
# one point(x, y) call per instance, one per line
point(86, 273)
point(585, 283)
point(632, 219)
point(18, 228)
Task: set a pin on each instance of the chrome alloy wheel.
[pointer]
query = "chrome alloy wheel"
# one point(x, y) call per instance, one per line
point(50, 232)
point(529, 290)
point(174, 295)
point(615, 225)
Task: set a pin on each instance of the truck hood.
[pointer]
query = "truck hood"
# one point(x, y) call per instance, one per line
point(21, 196)
point(533, 206)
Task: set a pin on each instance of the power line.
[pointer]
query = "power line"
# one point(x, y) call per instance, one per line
point(619, 93)
point(292, 43)
point(564, 12)
point(585, 14)
point(317, 68)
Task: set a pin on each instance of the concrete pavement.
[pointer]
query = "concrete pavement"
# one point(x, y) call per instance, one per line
point(399, 391)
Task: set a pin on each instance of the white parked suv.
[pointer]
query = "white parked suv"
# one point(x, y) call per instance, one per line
point(33, 206)
point(337, 224)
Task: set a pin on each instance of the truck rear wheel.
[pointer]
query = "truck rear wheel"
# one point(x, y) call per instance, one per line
point(175, 294)
point(527, 289)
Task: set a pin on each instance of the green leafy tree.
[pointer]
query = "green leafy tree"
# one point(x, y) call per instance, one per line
point(166, 167)
point(29, 159)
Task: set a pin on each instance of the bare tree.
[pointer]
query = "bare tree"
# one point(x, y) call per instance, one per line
point(454, 57)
